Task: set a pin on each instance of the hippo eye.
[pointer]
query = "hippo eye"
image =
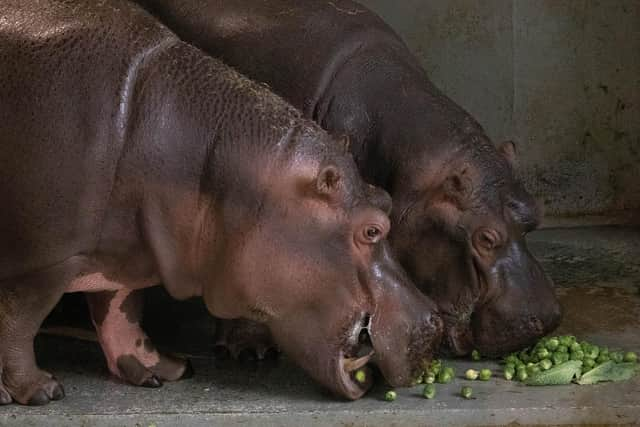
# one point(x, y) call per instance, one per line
point(372, 234)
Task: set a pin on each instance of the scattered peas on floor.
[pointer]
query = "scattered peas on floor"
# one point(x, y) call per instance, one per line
point(551, 361)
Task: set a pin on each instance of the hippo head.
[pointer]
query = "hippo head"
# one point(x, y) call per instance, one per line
point(462, 239)
point(318, 271)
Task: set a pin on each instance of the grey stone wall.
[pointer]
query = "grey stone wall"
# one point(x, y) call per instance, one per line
point(559, 77)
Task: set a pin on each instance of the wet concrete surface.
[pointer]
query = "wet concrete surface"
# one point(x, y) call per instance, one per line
point(589, 256)
point(222, 392)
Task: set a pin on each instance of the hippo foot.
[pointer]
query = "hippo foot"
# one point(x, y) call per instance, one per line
point(244, 340)
point(167, 368)
point(38, 388)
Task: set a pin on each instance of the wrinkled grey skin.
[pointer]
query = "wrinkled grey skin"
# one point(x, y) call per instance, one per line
point(130, 158)
point(460, 214)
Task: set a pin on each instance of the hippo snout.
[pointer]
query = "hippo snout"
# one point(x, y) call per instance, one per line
point(526, 310)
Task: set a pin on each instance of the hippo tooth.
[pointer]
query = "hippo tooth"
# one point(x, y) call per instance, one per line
point(352, 363)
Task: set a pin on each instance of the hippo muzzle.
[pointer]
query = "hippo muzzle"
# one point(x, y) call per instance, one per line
point(523, 307)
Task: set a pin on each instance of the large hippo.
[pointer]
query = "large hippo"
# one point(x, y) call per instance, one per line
point(130, 158)
point(460, 215)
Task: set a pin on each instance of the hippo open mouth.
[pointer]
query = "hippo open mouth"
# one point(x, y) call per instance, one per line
point(358, 352)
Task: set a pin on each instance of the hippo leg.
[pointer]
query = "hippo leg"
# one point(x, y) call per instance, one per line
point(24, 303)
point(130, 354)
point(245, 339)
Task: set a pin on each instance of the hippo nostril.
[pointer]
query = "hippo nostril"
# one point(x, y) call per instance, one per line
point(366, 321)
point(365, 346)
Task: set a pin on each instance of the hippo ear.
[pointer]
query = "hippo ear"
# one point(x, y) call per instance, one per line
point(328, 180)
point(457, 188)
point(508, 150)
point(345, 143)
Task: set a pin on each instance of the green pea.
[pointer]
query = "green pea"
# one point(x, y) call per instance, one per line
point(429, 378)
point(616, 356)
point(577, 355)
point(574, 347)
point(471, 374)
point(534, 369)
point(436, 367)
point(552, 344)
point(475, 355)
point(360, 376)
point(509, 373)
point(545, 364)
point(521, 374)
point(444, 377)
point(588, 363)
point(390, 396)
point(593, 352)
point(485, 374)
point(429, 391)
point(512, 358)
point(565, 357)
point(630, 356)
point(543, 353)
point(466, 392)
point(565, 340)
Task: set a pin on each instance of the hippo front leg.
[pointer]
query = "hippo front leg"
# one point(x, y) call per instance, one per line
point(129, 352)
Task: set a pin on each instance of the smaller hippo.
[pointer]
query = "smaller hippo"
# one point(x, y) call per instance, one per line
point(460, 213)
point(130, 158)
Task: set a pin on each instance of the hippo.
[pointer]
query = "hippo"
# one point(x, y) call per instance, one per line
point(460, 213)
point(130, 158)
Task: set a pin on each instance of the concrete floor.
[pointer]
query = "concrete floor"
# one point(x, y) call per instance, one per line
point(597, 271)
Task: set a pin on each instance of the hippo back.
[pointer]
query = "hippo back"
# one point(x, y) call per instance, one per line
point(65, 83)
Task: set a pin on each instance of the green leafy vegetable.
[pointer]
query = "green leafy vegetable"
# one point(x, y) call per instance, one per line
point(561, 374)
point(609, 371)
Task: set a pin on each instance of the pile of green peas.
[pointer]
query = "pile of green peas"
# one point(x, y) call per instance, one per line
point(554, 351)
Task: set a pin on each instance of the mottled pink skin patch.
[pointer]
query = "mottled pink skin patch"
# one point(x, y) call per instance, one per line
point(116, 316)
point(118, 327)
